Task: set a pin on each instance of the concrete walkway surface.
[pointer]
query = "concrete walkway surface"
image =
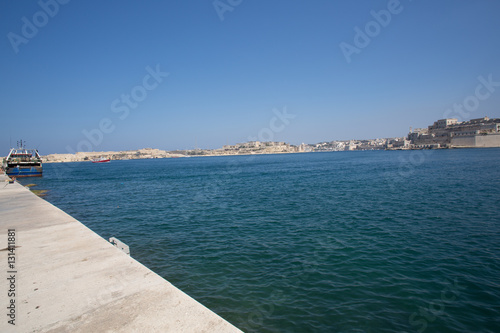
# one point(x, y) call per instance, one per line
point(69, 279)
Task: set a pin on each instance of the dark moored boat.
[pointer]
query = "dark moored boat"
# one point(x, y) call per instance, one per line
point(22, 162)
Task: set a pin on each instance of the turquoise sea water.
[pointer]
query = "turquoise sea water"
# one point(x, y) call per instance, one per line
point(375, 241)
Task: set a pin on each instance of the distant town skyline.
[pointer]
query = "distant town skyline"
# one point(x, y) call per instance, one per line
point(446, 133)
point(178, 75)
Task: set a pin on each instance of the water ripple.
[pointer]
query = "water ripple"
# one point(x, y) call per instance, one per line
point(309, 242)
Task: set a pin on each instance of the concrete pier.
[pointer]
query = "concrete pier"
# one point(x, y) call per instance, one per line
point(63, 277)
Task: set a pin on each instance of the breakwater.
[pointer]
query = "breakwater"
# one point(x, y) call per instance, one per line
point(62, 277)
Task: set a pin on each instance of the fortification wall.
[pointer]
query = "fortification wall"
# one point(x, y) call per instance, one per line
point(463, 141)
point(484, 141)
point(491, 140)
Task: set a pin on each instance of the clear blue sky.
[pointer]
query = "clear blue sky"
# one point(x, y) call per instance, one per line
point(227, 76)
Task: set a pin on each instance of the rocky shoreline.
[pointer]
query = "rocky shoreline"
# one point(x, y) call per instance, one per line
point(146, 153)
